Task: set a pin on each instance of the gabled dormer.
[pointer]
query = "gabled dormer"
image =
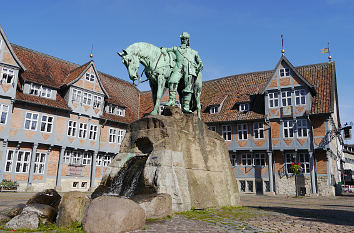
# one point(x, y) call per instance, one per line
point(85, 93)
point(215, 105)
point(10, 66)
point(287, 92)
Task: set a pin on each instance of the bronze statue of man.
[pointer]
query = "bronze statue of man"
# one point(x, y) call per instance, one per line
point(189, 65)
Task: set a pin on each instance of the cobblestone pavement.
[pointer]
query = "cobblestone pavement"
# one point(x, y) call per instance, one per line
point(262, 214)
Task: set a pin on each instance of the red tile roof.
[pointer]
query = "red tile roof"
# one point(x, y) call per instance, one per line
point(75, 73)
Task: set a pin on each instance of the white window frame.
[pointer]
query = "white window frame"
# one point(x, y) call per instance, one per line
point(286, 98)
point(120, 135)
point(214, 109)
point(67, 157)
point(23, 161)
point(304, 159)
point(45, 92)
point(29, 117)
point(242, 131)
point(300, 97)
point(99, 160)
point(90, 77)
point(82, 130)
point(112, 135)
point(246, 159)
point(110, 108)
point(258, 130)
point(4, 110)
point(233, 158)
point(76, 158)
point(106, 160)
point(72, 128)
point(9, 160)
point(86, 158)
point(93, 132)
point(290, 158)
point(244, 107)
point(97, 101)
point(45, 124)
point(288, 128)
point(39, 163)
point(284, 72)
point(6, 73)
point(121, 111)
point(273, 99)
point(302, 129)
point(77, 95)
point(35, 89)
point(227, 132)
point(259, 159)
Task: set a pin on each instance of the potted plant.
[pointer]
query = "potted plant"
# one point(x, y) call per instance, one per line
point(296, 169)
point(8, 185)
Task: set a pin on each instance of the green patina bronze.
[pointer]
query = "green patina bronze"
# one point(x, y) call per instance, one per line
point(178, 68)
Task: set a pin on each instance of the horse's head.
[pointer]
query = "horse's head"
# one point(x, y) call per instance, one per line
point(132, 64)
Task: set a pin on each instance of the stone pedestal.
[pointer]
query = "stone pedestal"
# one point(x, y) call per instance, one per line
point(183, 159)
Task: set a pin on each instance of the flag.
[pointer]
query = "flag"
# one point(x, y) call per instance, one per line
point(325, 50)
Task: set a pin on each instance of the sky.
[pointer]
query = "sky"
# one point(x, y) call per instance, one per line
point(232, 37)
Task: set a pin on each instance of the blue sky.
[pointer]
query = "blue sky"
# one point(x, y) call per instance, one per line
point(232, 37)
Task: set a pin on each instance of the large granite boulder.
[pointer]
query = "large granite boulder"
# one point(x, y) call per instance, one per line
point(72, 208)
point(109, 214)
point(155, 205)
point(46, 213)
point(14, 211)
point(29, 220)
point(47, 197)
point(175, 154)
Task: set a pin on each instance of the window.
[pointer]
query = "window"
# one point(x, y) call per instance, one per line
point(243, 186)
point(86, 159)
point(214, 109)
point(288, 129)
point(289, 159)
point(304, 159)
point(273, 100)
point(242, 130)
point(212, 128)
point(83, 184)
point(233, 159)
point(93, 132)
point(99, 160)
point(77, 95)
point(259, 159)
point(112, 135)
point(76, 158)
point(110, 108)
point(35, 89)
point(72, 128)
point(244, 107)
point(82, 130)
point(67, 156)
point(4, 109)
point(106, 160)
point(75, 184)
point(46, 92)
point(23, 160)
point(284, 72)
point(300, 97)
point(120, 111)
point(46, 124)
point(250, 185)
point(39, 163)
point(31, 121)
point(121, 133)
point(246, 159)
point(90, 77)
point(267, 186)
point(286, 98)
point(97, 101)
point(226, 132)
point(7, 75)
point(9, 160)
point(258, 130)
point(301, 128)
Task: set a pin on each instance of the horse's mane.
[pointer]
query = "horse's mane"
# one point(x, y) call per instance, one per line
point(140, 47)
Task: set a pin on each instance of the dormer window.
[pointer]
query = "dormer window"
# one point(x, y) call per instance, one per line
point(284, 72)
point(7, 75)
point(244, 107)
point(90, 77)
point(115, 110)
point(41, 91)
point(214, 109)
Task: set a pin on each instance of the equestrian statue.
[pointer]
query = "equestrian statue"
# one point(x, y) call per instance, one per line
point(177, 68)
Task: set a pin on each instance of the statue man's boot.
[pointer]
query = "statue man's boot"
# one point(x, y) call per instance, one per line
point(186, 102)
point(172, 95)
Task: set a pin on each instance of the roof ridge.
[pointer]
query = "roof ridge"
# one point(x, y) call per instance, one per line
point(44, 54)
point(120, 80)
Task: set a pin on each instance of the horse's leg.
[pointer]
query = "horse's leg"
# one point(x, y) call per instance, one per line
point(153, 87)
point(160, 87)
